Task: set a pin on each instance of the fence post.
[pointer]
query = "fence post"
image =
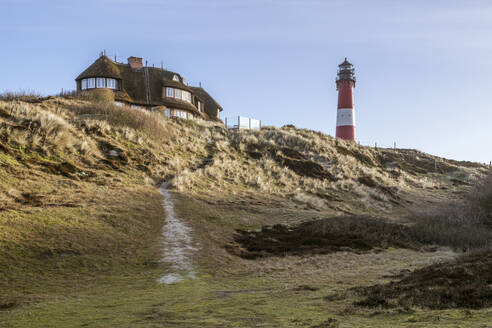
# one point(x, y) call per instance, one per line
point(375, 145)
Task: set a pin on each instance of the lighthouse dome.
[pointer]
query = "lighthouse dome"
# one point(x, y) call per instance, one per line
point(346, 64)
point(346, 71)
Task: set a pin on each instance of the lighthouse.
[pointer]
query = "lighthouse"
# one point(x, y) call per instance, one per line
point(345, 112)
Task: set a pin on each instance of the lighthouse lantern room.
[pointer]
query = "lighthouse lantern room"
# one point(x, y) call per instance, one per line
point(345, 112)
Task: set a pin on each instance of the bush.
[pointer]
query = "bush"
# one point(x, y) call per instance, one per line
point(482, 198)
point(29, 96)
point(462, 226)
point(100, 96)
point(137, 119)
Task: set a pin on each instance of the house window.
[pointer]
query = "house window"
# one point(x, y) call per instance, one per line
point(111, 83)
point(175, 78)
point(91, 83)
point(100, 82)
point(170, 92)
point(199, 106)
point(84, 84)
point(186, 96)
point(177, 93)
point(180, 113)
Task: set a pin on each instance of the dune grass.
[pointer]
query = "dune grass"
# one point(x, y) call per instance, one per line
point(80, 216)
point(463, 225)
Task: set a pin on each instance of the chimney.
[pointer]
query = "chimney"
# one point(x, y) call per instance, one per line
point(135, 62)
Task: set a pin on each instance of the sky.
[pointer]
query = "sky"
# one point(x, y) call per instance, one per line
point(423, 67)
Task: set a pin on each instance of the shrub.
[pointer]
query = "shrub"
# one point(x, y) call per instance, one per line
point(462, 226)
point(33, 126)
point(29, 96)
point(68, 94)
point(482, 199)
point(141, 120)
point(100, 96)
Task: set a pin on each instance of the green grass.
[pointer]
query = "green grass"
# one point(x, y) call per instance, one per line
point(136, 300)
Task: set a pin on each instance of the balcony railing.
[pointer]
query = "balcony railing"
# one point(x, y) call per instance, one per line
point(346, 77)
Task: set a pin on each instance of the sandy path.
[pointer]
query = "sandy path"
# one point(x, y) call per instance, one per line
point(177, 245)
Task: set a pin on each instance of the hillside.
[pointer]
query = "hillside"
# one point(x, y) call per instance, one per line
point(81, 217)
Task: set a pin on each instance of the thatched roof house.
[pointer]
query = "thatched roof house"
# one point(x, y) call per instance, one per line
point(149, 87)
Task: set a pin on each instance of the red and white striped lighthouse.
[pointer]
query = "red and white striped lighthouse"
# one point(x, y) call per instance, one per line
point(345, 111)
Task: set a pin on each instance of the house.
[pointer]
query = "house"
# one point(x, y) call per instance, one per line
point(149, 87)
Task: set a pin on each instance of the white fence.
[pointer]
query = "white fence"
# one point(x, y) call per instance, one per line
point(242, 122)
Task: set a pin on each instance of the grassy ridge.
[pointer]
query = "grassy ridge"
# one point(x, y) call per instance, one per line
point(80, 216)
point(77, 193)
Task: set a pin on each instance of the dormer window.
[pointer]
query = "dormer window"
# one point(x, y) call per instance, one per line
point(175, 78)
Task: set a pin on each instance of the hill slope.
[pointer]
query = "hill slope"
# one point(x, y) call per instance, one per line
point(79, 209)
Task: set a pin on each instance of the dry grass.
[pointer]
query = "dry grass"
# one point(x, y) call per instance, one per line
point(29, 96)
point(34, 127)
point(463, 225)
point(78, 203)
point(122, 116)
point(311, 169)
point(315, 169)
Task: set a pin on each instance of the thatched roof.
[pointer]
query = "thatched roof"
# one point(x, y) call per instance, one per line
point(133, 86)
point(180, 104)
point(102, 67)
point(176, 84)
point(209, 102)
point(122, 95)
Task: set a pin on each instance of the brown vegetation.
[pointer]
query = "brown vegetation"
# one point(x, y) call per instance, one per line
point(355, 234)
point(80, 213)
point(78, 196)
point(463, 225)
point(117, 116)
point(27, 96)
point(463, 283)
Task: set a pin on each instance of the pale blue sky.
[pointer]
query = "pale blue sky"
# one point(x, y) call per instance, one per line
point(424, 67)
